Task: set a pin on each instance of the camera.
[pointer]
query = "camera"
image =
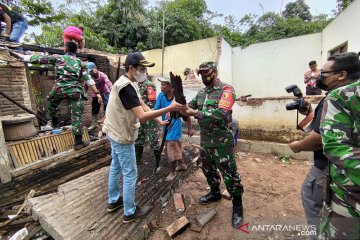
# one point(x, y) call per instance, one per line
point(299, 102)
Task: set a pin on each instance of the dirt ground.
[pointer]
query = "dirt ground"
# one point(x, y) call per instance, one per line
point(272, 197)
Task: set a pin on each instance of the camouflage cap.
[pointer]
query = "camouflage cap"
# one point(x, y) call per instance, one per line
point(164, 79)
point(187, 70)
point(207, 66)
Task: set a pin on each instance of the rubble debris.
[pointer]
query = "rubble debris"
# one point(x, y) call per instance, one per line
point(206, 217)
point(179, 202)
point(20, 235)
point(195, 226)
point(178, 226)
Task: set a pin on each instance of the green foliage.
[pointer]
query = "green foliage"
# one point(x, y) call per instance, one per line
point(39, 12)
point(128, 25)
point(297, 9)
point(341, 5)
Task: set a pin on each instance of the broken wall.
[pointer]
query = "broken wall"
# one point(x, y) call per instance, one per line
point(13, 82)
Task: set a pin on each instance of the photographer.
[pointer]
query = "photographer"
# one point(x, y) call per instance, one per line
point(312, 188)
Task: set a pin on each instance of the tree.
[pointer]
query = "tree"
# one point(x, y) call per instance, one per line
point(341, 5)
point(39, 12)
point(297, 9)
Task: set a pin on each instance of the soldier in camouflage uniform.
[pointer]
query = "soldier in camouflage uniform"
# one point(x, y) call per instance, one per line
point(340, 126)
point(213, 105)
point(71, 72)
point(149, 130)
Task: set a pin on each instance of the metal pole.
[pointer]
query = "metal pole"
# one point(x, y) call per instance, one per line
point(163, 45)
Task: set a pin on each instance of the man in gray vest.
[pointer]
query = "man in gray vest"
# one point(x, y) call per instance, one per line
point(124, 110)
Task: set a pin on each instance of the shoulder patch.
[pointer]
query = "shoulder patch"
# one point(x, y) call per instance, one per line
point(151, 93)
point(227, 99)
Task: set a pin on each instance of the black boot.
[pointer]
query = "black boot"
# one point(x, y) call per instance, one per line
point(213, 196)
point(55, 123)
point(79, 143)
point(237, 217)
point(138, 153)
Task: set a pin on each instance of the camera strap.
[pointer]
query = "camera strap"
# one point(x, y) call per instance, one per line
point(305, 122)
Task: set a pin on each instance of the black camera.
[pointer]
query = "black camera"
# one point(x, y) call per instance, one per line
point(299, 102)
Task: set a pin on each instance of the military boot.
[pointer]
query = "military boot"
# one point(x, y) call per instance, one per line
point(94, 123)
point(55, 123)
point(139, 150)
point(213, 196)
point(79, 143)
point(237, 216)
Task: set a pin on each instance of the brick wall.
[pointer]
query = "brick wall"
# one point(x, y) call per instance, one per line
point(13, 82)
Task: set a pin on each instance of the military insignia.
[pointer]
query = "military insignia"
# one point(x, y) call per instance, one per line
point(151, 93)
point(227, 100)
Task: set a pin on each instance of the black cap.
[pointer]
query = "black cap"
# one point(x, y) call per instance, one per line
point(136, 58)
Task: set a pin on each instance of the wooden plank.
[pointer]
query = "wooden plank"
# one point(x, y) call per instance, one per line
point(63, 142)
point(30, 151)
point(21, 159)
point(41, 148)
point(37, 150)
point(58, 144)
point(25, 154)
point(14, 156)
point(68, 140)
point(45, 147)
point(36, 154)
point(54, 147)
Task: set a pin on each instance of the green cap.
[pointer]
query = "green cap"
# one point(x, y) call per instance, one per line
point(207, 66)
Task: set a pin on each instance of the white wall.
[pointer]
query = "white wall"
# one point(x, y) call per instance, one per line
point(341, 29)
point(265, 69)
point(225, 63)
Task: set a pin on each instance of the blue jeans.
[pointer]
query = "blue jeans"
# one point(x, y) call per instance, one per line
point(18, 30)
point(123, 162)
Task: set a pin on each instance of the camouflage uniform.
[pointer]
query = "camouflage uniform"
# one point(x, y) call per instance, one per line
point(217, 141)
point(149, 130)
point(341, 142)
point(71, 73)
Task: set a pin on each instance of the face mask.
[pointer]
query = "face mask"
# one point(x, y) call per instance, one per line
point(320, 82)
point(207, 79)
point(140, 77)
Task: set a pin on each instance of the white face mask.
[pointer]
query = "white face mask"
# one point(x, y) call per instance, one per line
point(140, 77)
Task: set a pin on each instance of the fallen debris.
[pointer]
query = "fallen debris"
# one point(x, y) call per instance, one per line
point(178, 226)
point(179, 202)
point(206, 217)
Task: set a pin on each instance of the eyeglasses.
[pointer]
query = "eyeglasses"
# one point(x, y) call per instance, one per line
point(335, 72)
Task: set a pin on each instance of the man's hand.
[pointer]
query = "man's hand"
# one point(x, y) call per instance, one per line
point(174, 106)
point(99, 98)
point(307, 109)
point(163, 123)
point(294, 146)
point(189, 112)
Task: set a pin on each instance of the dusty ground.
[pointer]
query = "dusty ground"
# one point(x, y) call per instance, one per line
point(272, 196)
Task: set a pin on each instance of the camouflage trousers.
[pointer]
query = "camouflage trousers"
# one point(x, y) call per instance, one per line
point(223, 159)
point(148, 134)
point(336, 226)
point(76, 107)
